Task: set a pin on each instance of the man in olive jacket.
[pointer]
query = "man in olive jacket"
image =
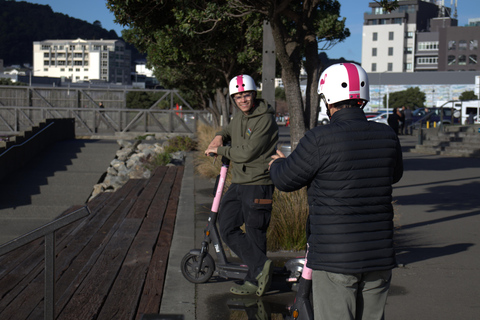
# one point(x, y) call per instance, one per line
point(349, 167)
point(253, 134)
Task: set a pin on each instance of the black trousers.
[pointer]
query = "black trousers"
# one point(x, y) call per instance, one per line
point(252, 205)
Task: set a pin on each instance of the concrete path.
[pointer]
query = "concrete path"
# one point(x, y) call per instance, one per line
point(437, 239)
point(61, 176)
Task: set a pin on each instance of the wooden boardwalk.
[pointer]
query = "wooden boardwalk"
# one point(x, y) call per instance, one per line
point(109, 265)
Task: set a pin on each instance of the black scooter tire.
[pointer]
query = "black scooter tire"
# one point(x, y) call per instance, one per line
point(190, 269)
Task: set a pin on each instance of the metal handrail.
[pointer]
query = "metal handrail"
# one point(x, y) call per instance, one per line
point(47, 231)
point(24, 142)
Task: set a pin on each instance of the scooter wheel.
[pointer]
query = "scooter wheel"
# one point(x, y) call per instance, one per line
point(197, 272)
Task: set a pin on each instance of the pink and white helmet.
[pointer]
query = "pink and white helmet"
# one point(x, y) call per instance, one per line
point(241, 83)
point(344, 81)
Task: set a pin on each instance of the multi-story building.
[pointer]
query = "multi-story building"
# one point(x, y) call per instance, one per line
point(83, 60)
point(416, 37)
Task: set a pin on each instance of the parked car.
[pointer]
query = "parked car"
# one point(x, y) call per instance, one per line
point(422, 115)
point(369, 115)
point(381, 118)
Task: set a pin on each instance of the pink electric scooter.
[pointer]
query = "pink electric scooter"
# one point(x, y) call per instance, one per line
point(198, 266)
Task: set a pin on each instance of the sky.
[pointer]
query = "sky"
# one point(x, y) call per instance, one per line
point(353, 10)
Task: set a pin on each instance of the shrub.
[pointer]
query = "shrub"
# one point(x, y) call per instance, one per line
point(161, 159)
point(180, 143)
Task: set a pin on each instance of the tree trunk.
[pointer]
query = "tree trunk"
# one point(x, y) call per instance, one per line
point(222, 104)
point(313, 66)
point(289, 58)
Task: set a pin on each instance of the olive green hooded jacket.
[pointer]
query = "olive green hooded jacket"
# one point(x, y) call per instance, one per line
point(253, 139)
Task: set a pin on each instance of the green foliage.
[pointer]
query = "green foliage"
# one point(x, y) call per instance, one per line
point(144, 137)
point(192, 45)
point(9, 82)
point(468, 95)
point(180, 143)
point(280, 94)
point(161, 159)
point(412, 98)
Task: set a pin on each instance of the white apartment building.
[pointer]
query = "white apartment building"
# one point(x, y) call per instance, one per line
point(83, 60)
point(389, 38)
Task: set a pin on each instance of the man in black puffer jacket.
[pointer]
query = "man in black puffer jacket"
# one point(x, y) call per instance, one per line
point(349, 167)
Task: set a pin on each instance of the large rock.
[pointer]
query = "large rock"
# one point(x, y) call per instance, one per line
point(130, 163)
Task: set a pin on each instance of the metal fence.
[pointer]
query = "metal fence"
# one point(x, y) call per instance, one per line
point(24, 107)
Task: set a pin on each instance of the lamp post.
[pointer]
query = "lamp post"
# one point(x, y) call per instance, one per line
point(30, 80)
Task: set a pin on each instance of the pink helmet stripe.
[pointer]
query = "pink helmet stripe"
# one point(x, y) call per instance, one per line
point(353, 80)
point(240, 85)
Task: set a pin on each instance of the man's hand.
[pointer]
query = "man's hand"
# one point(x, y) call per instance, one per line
point(212, 147)
point(275, 157)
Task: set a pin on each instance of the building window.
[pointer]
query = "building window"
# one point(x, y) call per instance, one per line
point(46, 62)
point(105, 48)
point(390, 66)
point(374, 67)
point(72, 47)
point(409, 34)
point(452, 45)
point(62, 69)
point(77, 70)
point(462, 45)
point(433, 45)
point(473, 44)
point(45, 47)
point(61, 62)
point(462, 60)
point(378, 10)
point(390, 51)
point(46, 54)
point(472, 59)
point(77, 55)
point(104, 55)
point(408, 66)
point(45, 69)
point(77, 63)
point(408, 50)
point(427, 60)
point(397, 20)
point(96, 47)
point(390, 35)
point(375, 36)
point(374, 52)
point(382, 21)
point(451, 60)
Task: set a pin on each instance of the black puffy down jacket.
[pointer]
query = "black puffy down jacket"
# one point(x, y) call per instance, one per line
point(349, 167)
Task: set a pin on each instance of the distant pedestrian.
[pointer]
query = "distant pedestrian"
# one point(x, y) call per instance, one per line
point(401, 119)
point(407, 129)
point(470, 118)
point(393, 120)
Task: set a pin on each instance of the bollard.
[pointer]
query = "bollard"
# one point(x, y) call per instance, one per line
point(420, 137)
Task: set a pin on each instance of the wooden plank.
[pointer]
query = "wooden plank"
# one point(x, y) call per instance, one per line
point(153, 289)
point(26, 291)
point(23, 265)
point(87, 301)
point(123, 298)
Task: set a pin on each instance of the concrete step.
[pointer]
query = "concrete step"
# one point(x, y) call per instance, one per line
point(58, 178)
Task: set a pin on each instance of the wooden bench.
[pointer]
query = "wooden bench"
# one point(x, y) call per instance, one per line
point(109, 265)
